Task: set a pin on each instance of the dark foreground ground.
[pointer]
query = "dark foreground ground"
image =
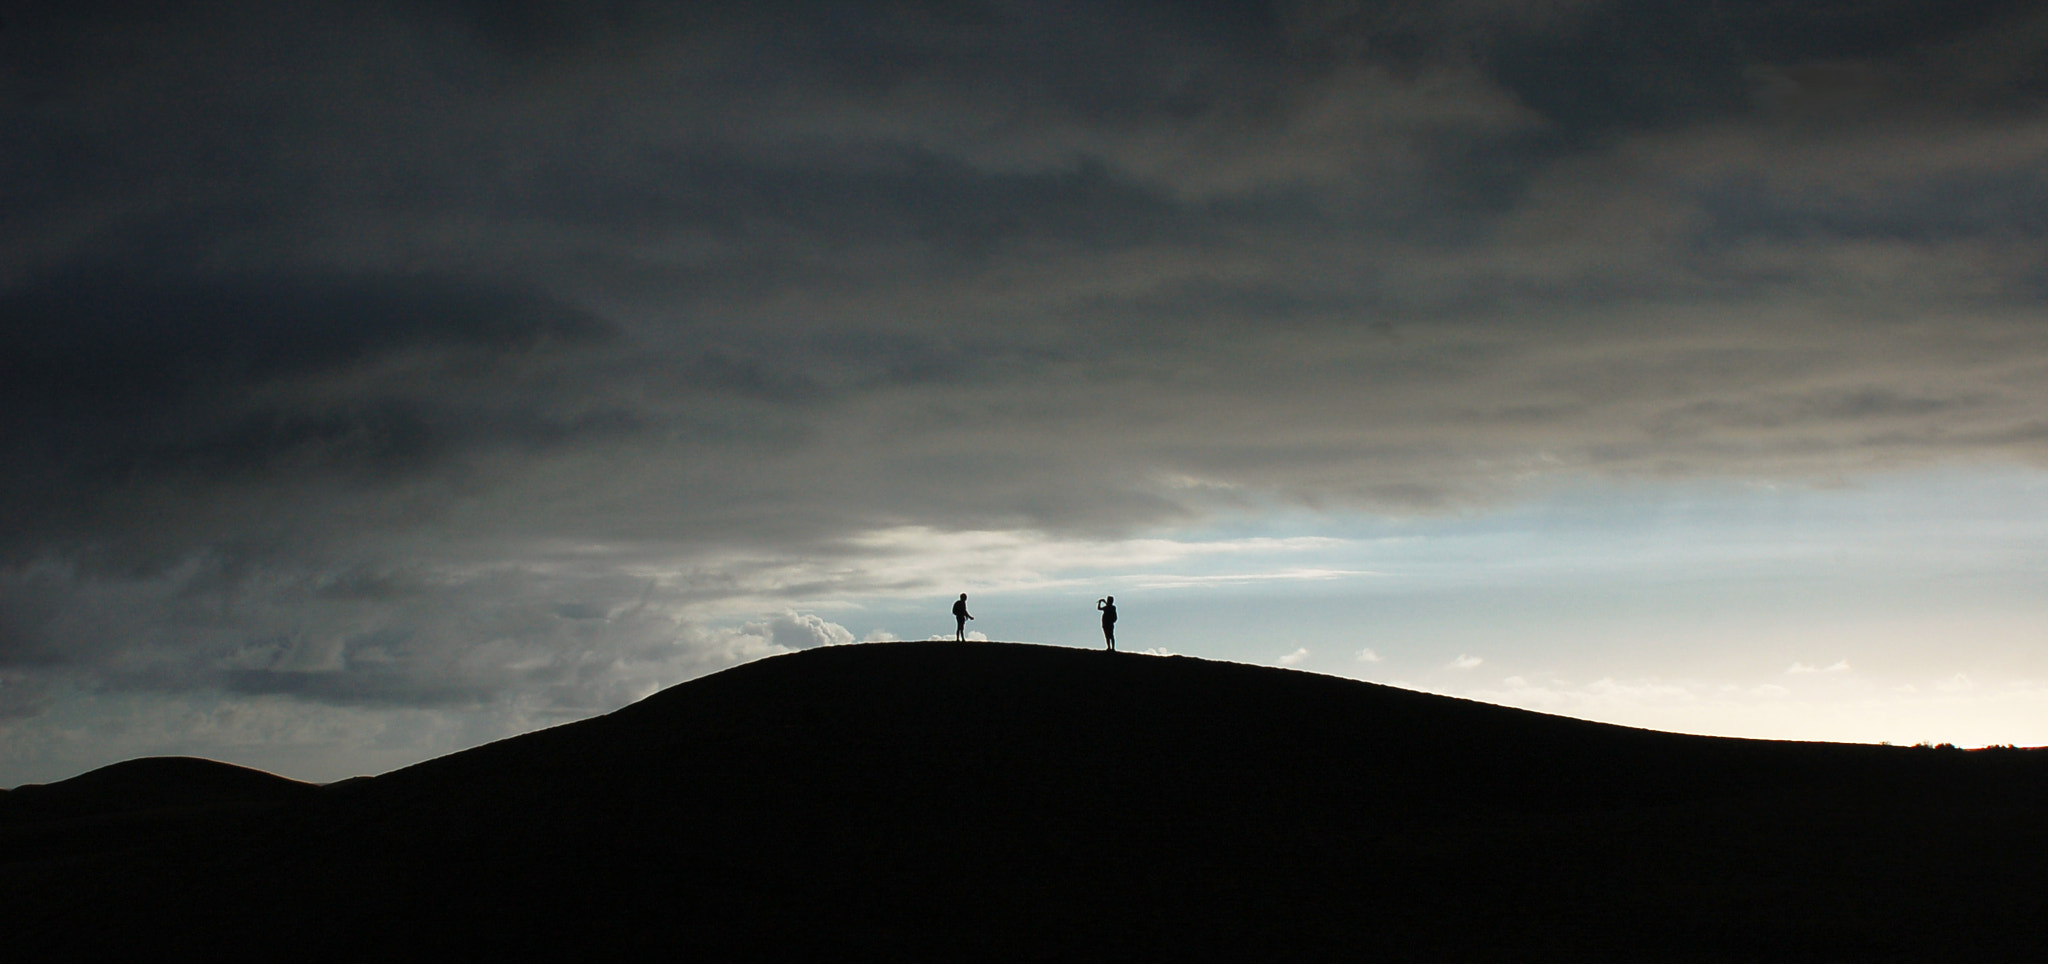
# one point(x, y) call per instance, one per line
point(999, 801)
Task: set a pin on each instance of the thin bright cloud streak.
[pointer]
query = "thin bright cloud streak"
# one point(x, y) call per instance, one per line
point(1161, 581)
point(915, 561)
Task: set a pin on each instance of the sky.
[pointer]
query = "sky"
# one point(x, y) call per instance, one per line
point(378, 379)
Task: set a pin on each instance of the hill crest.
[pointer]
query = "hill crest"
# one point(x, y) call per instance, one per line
point(940, 799)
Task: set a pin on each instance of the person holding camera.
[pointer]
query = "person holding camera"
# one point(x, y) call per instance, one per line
point(1108, 606)
point(960, 618)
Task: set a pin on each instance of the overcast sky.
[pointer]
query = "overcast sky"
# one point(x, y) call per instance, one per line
point(381, 378)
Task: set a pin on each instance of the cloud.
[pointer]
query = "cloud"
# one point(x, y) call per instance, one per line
point(552, 352)
point(1294, 658)
point(1297, 574)
point(645, 366)
point(1464, 662)
point(22, 695)
point(1838, 666)
point(574, 641)
point(1367, 656)
point(1602, 696)
point(793, 630)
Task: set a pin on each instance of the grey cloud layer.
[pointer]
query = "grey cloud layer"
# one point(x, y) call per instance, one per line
point(501, 307)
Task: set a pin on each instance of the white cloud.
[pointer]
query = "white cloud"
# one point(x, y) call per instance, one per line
point(1838, 666)
point(1368, 656)
point(1464, 662)
point(1294, 658)
point(1607, 693)
point(973, 636)
point(794, 630)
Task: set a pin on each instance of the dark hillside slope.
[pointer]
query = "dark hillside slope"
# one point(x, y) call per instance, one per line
point(1001, 800)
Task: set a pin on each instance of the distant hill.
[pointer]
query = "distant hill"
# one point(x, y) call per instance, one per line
point(150, 785)
point(989, 800)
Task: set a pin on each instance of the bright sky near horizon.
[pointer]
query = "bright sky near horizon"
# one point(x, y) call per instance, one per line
point(1905, 608)
point(378, 380)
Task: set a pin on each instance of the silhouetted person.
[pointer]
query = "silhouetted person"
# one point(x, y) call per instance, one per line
point(1108, 606)
point(960, 618)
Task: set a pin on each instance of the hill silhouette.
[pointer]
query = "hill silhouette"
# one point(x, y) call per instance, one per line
point(151, 785)
point(989, 800)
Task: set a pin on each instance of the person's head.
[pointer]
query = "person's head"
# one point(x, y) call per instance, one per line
point(1110, 599)
point(963, 595)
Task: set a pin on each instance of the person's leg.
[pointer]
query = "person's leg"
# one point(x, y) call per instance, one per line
point(959, 629)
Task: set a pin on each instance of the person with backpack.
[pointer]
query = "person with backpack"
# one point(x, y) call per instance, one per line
point(960, 618)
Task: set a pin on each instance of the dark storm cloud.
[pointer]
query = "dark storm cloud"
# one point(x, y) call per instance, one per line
point(423, 353)
point(112, 384)
point(121, 344)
